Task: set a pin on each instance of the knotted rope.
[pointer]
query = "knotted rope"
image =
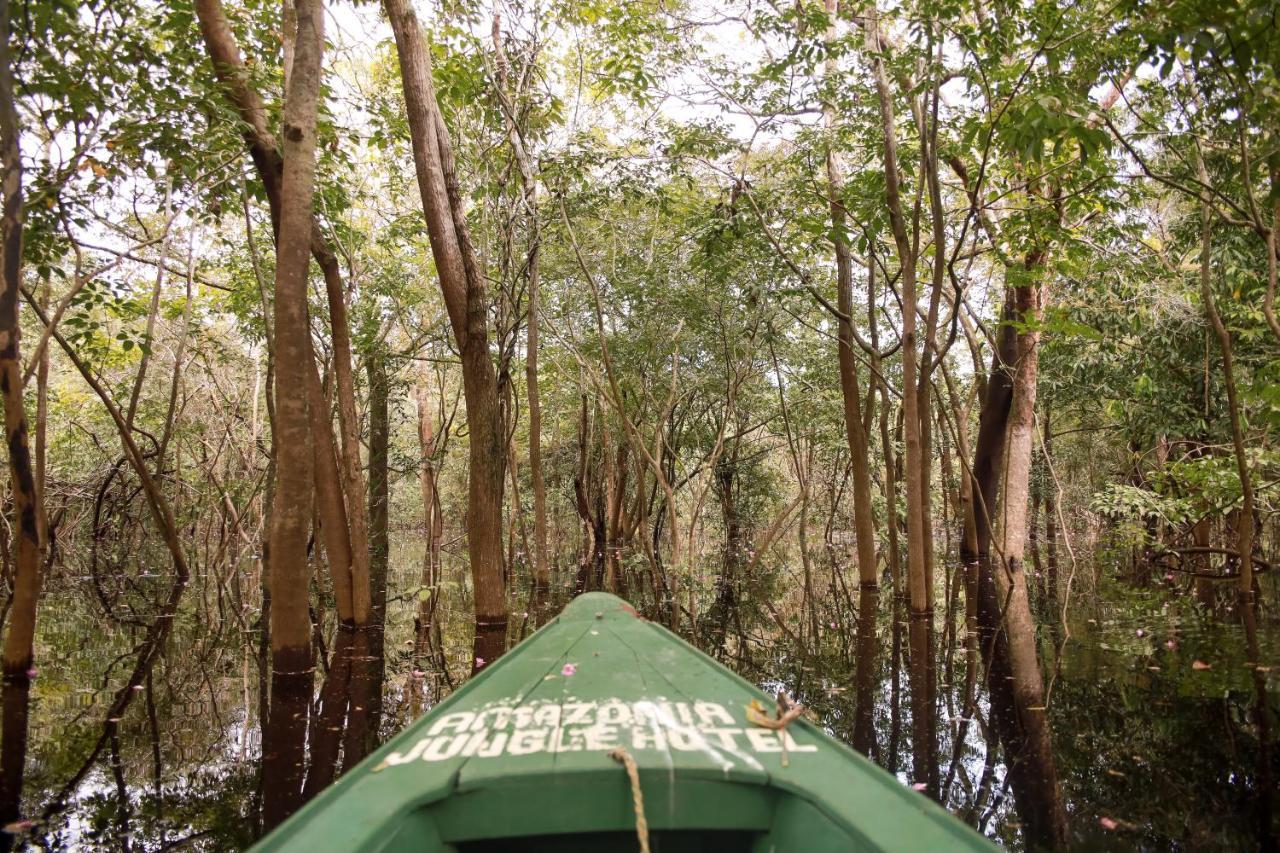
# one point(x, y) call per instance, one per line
point(788, 711)
point(624, 758)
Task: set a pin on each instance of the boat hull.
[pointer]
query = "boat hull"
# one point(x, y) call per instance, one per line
point(527, 756)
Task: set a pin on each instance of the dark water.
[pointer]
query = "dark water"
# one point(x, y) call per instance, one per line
point(1153, 705)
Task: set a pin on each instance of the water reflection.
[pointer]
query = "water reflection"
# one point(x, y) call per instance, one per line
point(307, 745)
point(864, 722)
point(924, 718)
point(13, 752)
point(1156, 719)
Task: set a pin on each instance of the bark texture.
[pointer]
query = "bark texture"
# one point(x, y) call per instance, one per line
point(18, 641)
point(26, 529)
point(466, 300)
point(284, 739)
point(915, 462)
point(1033, 769)
point(855, 422)
point(229, 67)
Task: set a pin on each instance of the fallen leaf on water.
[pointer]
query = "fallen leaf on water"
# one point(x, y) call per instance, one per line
point(1201, 665)
point(919, 786)
point(18, 826)
point(1107, 823)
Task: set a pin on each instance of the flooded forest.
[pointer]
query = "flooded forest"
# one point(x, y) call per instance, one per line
point(917, 360)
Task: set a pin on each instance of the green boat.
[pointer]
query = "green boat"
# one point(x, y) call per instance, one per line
point(602, 728)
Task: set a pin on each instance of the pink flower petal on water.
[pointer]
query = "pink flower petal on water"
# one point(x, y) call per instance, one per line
point(568, 669)
point(18, 826)
point(31, 673)
point(1107, 823)
point(480, 661)
point(1140, 633)
point(920, 786)
point(1170, 644)
point(1201, 665)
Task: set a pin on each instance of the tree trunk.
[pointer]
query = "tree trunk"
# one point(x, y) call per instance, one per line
point(1031, 750)
point(466, 300)
point(231, 72)
point(379, 483)
point(529, 197)
point(581, 500)
point(428, 641)
point(330, 502)
point(615, 581)
point(893, 552)
point(26, 529)
point(372, 659)
point(284, 736)
point(1050, 511)
point(1244, 525)
point(917, 561)
point(18, 642)
point(854, 421)
point(988, 454)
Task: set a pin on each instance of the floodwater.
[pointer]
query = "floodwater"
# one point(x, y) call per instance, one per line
point(1154, 707)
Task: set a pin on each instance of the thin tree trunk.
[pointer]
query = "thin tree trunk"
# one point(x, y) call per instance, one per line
point(466, 300)
point(430, 444)
point(614, 579)
point(18, 642)
point(1244, 524)
point(353, 485)
point(372, 663)
point(529, 198)
point(152, 310)
point(893, 552)
point(379, 483)
point(854, 421)
point(1050, 510)
point(917, 563)
point(581, 499)
point(331, 505)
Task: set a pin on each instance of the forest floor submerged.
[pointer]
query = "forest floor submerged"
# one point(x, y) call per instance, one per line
point(1152, 703)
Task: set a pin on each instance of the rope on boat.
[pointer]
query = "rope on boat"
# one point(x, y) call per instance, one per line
point(788, 711)
point(637, 796)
